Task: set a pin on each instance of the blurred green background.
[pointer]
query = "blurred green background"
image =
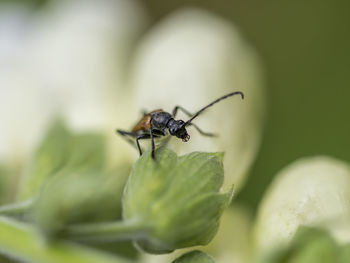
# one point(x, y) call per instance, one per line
point(305, 50)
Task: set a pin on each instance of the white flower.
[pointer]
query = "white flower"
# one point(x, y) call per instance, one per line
point(313, 192)
point(68, 59)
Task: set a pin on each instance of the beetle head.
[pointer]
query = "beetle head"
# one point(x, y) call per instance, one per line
point(178, 129)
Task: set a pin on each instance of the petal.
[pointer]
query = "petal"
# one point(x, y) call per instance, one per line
point(82, 47)
point(190, 59)
point(313, 192)
point(16, 102)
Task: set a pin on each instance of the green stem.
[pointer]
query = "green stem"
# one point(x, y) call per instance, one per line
point(16, 208)
point(21, 242)
point(111, 231)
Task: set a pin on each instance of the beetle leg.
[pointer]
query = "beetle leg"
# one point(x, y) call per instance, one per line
point(152, 139)
point(138, 137)
point(146, 136)
point(141, 137)
point(208, 134)
point(125, 135)
point(183, 110)
point(144, 112)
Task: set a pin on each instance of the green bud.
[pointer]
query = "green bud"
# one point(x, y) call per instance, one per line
point(79, 197)
point(49, 157)
point(86, 152)
point(194, 257)
point(60, 150)
point(3, 184)
point(179, 199)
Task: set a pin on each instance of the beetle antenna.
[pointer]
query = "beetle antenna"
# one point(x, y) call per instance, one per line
point(211, 104)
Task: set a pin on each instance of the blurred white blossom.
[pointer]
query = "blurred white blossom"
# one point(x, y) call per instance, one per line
point(69, 58)
point(192, 58)
point(313, 192)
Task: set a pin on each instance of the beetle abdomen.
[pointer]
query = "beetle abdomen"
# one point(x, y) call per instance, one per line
point(143, 125)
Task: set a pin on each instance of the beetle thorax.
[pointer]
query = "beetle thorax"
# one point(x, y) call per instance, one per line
point(160, 120)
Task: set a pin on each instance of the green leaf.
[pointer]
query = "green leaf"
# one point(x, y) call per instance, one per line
point(17, 208)
point(22, 243)
point(344, 254)
point(194, 257)
point(314, 246)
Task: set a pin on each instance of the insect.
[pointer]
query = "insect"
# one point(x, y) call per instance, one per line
point(159, 123)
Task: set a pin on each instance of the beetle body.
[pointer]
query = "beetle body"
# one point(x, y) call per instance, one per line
point(159, 123)
point(163, 123)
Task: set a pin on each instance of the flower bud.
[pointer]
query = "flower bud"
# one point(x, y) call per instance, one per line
point(177, 197)
point(59, 150)
point(79, 197)
point(49, 157)
point(3, 184)
point(312, 192)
